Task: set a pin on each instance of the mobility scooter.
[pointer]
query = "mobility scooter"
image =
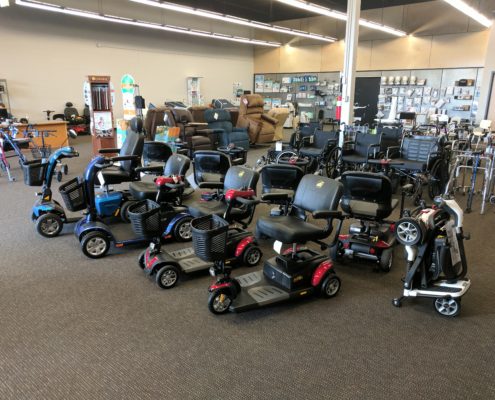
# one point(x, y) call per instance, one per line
point(48, 214)
point(297, 272)
point(95, 236)
point(236, 205)
point(436, 260)
point(368, 198)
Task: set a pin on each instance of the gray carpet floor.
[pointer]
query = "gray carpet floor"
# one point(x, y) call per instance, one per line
point(75, 328)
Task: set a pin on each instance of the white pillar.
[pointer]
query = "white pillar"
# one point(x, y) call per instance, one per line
point(350, 56)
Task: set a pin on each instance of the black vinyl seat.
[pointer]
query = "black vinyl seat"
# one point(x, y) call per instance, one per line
point(321, 141)
point(280, 179)
point(366, 146)
point(177, 165)
point(238, 178)
point(210, 166)
point(314, 194)
point(156, 154)
point(367, 195)
point(133, 146)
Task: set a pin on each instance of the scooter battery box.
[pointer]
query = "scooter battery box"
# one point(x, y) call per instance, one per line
point(108, 203)
point(276, 269)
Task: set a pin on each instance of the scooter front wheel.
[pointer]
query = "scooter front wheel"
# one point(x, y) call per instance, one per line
point(95, 244)
point(220, 301)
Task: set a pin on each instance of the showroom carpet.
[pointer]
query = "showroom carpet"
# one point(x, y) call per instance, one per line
point(75, 328)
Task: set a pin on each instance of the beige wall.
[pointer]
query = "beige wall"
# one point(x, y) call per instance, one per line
point(46, 58)
point(442, 51)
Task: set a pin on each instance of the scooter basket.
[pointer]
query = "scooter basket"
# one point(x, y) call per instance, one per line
point(34, 172)
point(145, 218)
point(209, 234)
point(73, 194)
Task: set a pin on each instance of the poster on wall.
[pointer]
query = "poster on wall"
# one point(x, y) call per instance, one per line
point(259, 83)
point(268, 86)
point(103, 123)
point(127, 88)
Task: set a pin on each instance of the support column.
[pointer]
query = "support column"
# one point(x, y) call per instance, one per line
point(350, 56)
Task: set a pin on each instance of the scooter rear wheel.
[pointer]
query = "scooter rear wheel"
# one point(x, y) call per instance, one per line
point(183, 230)
point(330, 286)
point(447, 306)
point(220, 301)
point(167, 277)
point(49, 225)
point(95, 245)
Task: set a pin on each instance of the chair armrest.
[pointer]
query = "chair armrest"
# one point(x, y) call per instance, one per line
point(197, 124)
point(327, 214)
point(269, 119)
point(211, 185)
point(270, 197)
point(372, 146)
point(175, 185)
point(392, 148)
point(217, 130)
point(235, 129)
point(204, 132)
point(107, 151)
point(126, 158)
point(153, 170)
point(248, 202)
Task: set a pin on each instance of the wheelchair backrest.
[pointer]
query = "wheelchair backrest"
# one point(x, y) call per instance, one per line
point(321, 138)
point(279, 176)
point(367, 187)
point(391, 136)
point(317, 193)
point(241, 178)
point(418, 148)
point(209, 162)
point(309, 128)
point(363, 141)
point(177, 164)
point(156, 151)
point(133, 146)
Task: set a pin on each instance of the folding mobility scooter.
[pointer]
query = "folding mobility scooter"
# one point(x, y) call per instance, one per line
point(368, 198)
point(48, 214)
point(95, 236)
point(436, 260)
point(236, 205)
point(297, 272)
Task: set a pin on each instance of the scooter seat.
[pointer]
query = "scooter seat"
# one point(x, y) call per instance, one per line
point(201, 209)
point(289, 229)
point(147, 190)
point(115, 175)
point(366, 209)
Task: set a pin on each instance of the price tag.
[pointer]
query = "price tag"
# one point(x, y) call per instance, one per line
point(278, 146)
point(455, 252)
point(277, 246)
point(215, 116)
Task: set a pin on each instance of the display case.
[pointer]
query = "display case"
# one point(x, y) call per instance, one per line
point(4, 94)
point(100, 98)
point(194, 97)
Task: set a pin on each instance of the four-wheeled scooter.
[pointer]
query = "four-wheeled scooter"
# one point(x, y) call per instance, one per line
point(298, 272)
point(436, 261)
point(95, 236)
point(48, 214)
point(239, 246)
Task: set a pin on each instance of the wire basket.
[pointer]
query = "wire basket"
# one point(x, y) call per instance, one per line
point(145, 218)
point(34, 172)
point(209, 234)
point(73, 194)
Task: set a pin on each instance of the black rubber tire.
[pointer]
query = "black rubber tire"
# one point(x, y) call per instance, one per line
point(334, 252)
point(141, 259)
point(333, 165)
point(397, 303)
point(167, 276)
point(43, 220)
point(453, 306)
point(330, 286)
point(213, 304)
point(95, 238)
point(59, 176)
point(185, 235)
point(124, 210)
point(65, 169)
point(386, 260)
point(438, 179)
point(413, 226)
point(252, 256)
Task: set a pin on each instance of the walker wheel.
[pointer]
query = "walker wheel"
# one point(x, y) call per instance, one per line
point(59, 176)
point(397, 303)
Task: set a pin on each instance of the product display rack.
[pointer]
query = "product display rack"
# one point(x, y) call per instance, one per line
point(4, 94)
point(100, 97)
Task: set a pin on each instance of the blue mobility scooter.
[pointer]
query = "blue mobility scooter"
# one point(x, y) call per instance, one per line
point(297, 272)
point(48, 214)
point(95, 236)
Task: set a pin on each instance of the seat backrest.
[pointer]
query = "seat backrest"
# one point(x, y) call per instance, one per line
point(209, 162)
point(219, 119)
point(241, 178)
point(363, 141)
point(367, 187)
point(177, 164)
point(418, 148)
point(308, 128)
point(133, 146)
point(251, 104)
point(70, 111)
point(279, 176)
point(156, 152)
point(157, 117)
point(321, 138)
point(317, 193)
point(391, 136)
point(198, 113)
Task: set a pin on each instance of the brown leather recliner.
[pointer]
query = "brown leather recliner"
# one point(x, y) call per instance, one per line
point(195, 135)
point(155, 117)
point(260, 126)
point(198, 113)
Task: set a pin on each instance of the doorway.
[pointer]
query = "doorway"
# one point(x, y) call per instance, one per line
point(366, 99)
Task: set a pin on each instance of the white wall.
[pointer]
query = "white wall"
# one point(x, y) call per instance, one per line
point(45, 59)
point(487, 74)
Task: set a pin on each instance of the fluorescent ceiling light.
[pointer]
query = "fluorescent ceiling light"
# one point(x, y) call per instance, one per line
point(142, 24)
point(4, 3)
point(317, 9)
point(470, 12)
point(233, 20)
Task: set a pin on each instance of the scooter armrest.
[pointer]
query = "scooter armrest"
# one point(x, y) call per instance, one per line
point(107, 151)
point(152, 170)
point(175, 185)
point(125, 158)
point(211, 185)
point(248, 202)
point(327, 214)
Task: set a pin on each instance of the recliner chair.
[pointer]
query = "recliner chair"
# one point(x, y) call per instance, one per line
point(193, 134)
point(260, 126)
point(219, 121)
point(132, 147)
point(156, 117)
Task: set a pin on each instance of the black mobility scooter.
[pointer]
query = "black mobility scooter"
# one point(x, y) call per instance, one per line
point(236, 205)
point(368, 198)
point(436, 260)
point(298, 271)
